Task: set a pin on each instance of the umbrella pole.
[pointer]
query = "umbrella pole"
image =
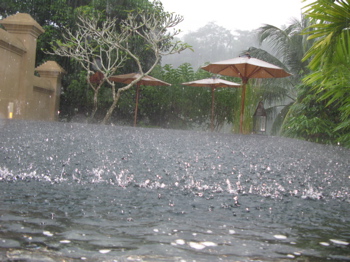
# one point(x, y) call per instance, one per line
point(212, 108)
point(242, 106)
point(137, 103)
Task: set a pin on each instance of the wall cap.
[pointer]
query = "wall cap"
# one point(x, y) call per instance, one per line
point(22, 22)
point(50, 66)
point(11, 42)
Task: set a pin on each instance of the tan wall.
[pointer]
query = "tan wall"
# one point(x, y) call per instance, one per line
point(11, 52)
point(33, 97)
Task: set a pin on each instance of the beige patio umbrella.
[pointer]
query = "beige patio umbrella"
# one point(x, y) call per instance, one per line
point(212, 83)
point(145, 81)
point(246, 67)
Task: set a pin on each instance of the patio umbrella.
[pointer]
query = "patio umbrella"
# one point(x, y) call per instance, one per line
point(96, 78)
point(212, 83)
point(246, 67)
point(146, 81)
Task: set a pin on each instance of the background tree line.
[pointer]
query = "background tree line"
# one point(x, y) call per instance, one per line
point(313, 104)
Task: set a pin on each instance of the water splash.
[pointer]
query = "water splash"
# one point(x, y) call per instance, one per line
point(186, 194)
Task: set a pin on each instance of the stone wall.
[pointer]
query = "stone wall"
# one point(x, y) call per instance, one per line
point(22, 94)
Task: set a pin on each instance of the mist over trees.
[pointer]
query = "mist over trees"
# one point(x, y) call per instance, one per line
point(212, 43)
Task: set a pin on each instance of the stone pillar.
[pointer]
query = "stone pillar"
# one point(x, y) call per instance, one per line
point(27, 30)
point(52, 72)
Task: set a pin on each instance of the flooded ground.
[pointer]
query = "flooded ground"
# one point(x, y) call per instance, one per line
point(75, 192)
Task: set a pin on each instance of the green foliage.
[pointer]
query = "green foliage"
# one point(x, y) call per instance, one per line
point(311, 129)
point(279, 119)
point(76, 97)
point(51, 15)
point(184, 107)
point(330, 60)
point(289, 46)
point(56, 15)
point(311, 119)
point(330, 21)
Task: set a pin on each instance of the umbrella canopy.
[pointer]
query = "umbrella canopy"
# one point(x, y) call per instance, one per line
point(96, 78)
point(246, 67)
point(212, 83)
point(145, 80)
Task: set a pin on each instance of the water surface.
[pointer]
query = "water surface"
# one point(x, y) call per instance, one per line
point(75, 192)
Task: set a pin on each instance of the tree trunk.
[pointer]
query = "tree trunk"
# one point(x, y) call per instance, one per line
point(116, 97)
point(109, 112)
point(94, 109)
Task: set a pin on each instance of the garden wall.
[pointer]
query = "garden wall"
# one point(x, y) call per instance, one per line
point(22, 94)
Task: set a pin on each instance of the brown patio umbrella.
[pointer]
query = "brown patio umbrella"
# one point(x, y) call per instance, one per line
point(96, 78)
point(146, 81)
point(212, 83)
point(246, 67)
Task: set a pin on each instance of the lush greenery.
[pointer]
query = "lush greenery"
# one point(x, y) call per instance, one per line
point(102, 46)
point(289, 47)
point(322, 111)
point(185, 107)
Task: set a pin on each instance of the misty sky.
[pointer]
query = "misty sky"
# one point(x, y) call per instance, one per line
point(234, 14)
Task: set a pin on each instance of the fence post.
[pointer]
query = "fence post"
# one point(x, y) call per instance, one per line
point(51, 71)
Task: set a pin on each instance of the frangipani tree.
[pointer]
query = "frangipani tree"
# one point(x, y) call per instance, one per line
point(91, 52)
point(152, 27)
point(97, 40)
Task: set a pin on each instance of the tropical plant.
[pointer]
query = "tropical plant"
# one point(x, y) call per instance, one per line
point(288, 47)
point(288, 44)
point(330, 60)
point(179, 106)
point(310, 119)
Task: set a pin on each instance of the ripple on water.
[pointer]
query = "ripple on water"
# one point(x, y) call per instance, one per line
point(155, 194)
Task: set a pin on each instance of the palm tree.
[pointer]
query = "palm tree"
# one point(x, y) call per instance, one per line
point(288, 46)
point(330, 60)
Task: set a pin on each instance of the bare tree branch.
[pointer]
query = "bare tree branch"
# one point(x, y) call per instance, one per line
point(98, 45)
point(85, 46)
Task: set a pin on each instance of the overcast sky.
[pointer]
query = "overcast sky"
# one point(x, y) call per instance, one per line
point(233, 14)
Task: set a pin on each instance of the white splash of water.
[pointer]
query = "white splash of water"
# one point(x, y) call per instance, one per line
point(229, 187)
point(339, 242)
point(123, 179)
point(9, 175)
point(281, 237)
point(311, 193)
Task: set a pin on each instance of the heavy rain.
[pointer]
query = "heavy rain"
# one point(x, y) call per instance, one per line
point(114, 148)
point(77, 191)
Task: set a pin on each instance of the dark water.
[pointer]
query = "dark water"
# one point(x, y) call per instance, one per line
point(72, 192)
